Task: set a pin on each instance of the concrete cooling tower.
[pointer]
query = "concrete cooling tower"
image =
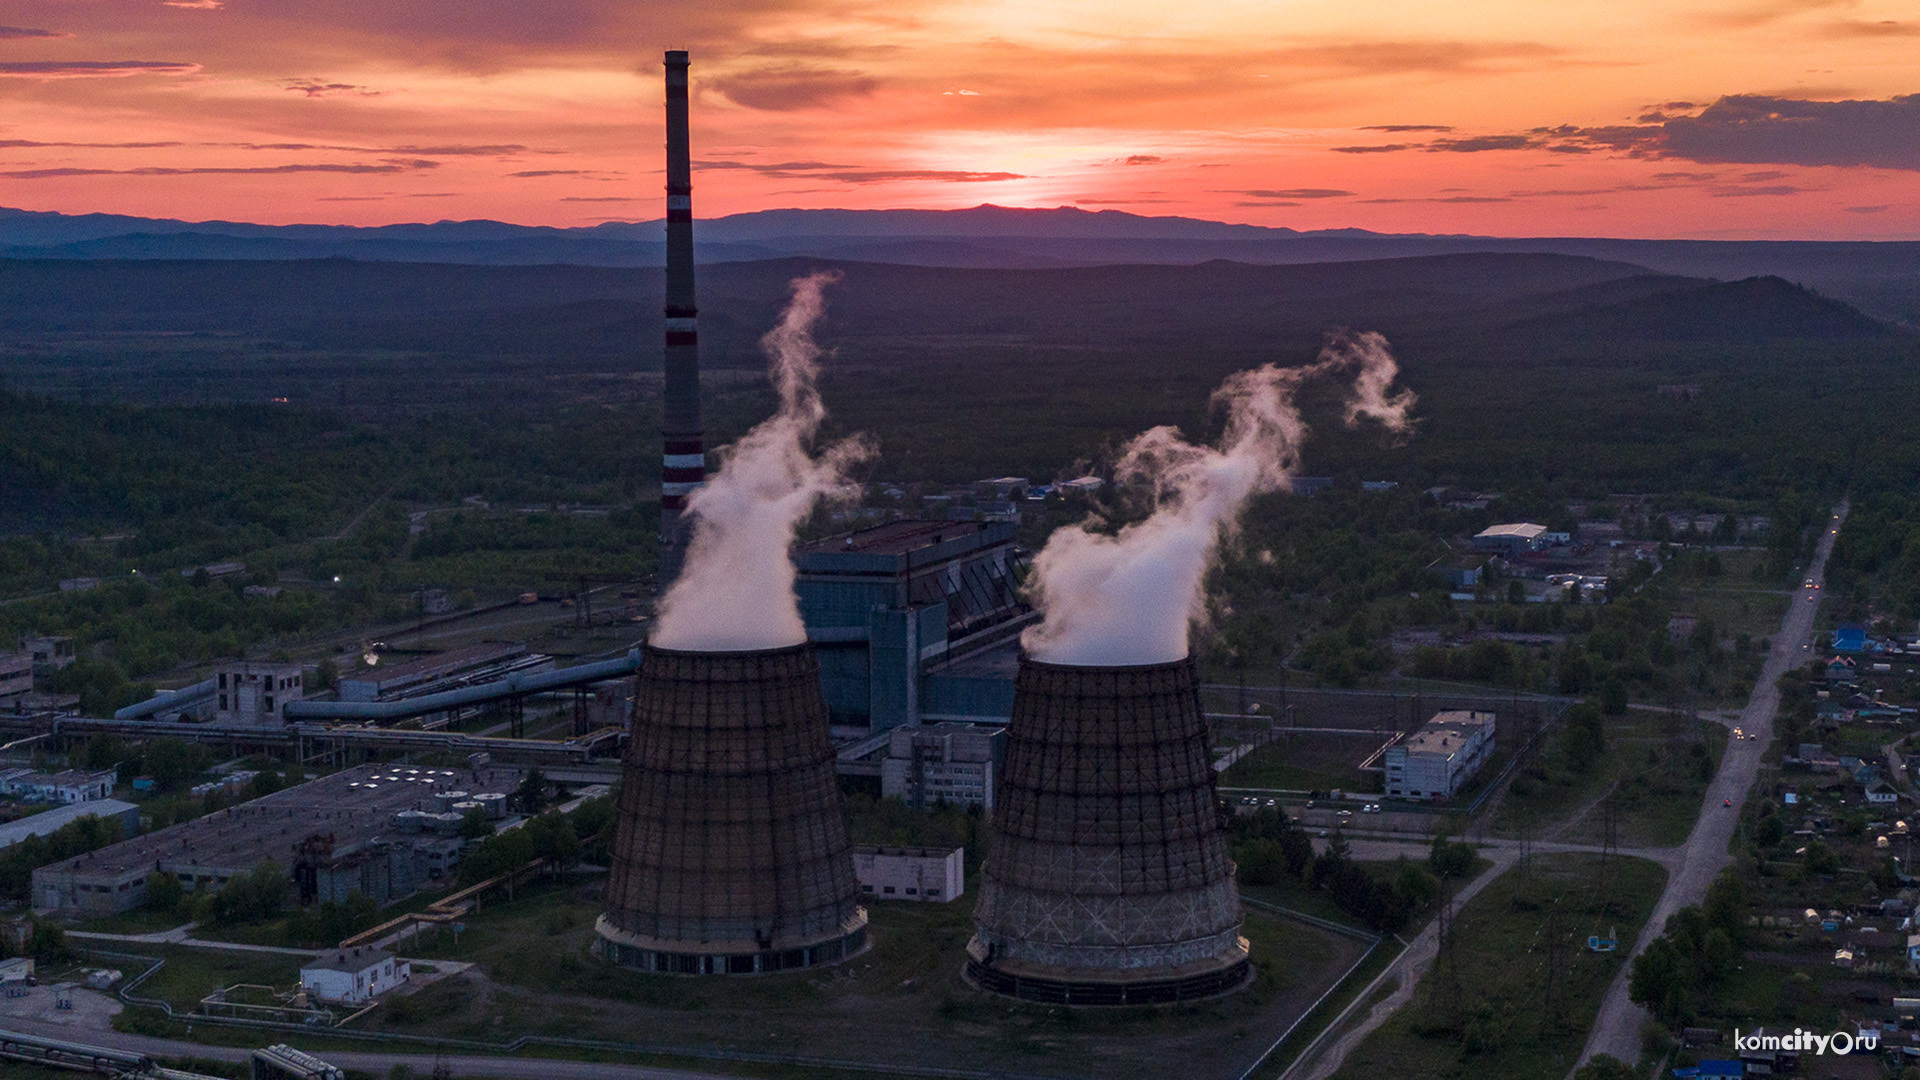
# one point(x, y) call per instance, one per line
point(730, 855)
point(1108, 882)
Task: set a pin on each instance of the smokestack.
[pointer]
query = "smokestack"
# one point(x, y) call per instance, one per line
point(1108, 881)
point(684, 466)
point(730, 855)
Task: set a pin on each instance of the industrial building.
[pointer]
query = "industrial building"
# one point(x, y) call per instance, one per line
point(1108, 881)
point(48, 654)
point(730, 854)
point(123, 815)
point(441, 671)
point(354, 976)
point(950, 763)
point(1514, 539)
point(316, 831)
point(891, 610)
point(1433, 762)
point(64, 787)
point(16, 675)
point(256, 692)
point(909, 873)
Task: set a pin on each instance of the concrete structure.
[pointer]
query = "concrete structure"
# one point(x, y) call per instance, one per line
point(48, 653)
point(683, 466)
point(1108, 881)
point(16, 674)
point(123, 815)
point(431, 673)
point(1515, 539)
point(1433, 762)
point(256, 692)
point(951, 763)
point(349, 811)
point(890, 607)
point(354, 976)
point(64, 787)
point(283, 1062)
point(730, 854)
point(926, 874)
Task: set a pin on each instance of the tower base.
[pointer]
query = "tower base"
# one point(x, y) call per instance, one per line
point(725, 957)
point(1209, 978)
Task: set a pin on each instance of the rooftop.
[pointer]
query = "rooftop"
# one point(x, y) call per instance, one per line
point(51, 820)
point(1446, 732)
point(1522, 530)
point(894, 538)
point(353, 961)
point(355, 805)
point(451, 660)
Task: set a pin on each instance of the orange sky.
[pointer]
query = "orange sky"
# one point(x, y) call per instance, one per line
point(1702, 118)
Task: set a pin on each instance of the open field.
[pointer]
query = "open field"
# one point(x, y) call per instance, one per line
point(1490, 1014)
point(1657, 766)
point(539, 978)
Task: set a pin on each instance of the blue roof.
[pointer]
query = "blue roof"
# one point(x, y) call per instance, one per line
point(1849, 637)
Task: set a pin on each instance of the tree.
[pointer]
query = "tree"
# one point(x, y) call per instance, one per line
point(1605, 1067)
point(1658, 983)
point(164, 892)
point(1450, 858)
point(477, 825)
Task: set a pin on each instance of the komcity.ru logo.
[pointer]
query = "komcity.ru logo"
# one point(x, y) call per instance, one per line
point(1806, 1042)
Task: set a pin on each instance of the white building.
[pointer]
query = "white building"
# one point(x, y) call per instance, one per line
point(1511, 539)
point(247, 692)
point(953, 763)
point(66, 787)
point(1433, 762)
point(927, 874)
point(354, 976)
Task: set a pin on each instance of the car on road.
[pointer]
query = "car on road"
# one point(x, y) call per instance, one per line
point(1346, 813)
point(1739, 734)
point(1370, 808)
point(1726, 802)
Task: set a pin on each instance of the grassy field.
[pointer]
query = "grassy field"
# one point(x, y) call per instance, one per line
point(540, 978)
point(1657, 766)
point(1309, 762)
point(190, 974)
point(1489, 1018)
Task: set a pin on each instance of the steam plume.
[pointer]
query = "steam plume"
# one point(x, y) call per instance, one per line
point(735, 592)
point(1131, 598)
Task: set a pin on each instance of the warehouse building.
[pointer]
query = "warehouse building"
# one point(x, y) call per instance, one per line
point(1515, 539)
point(1434, 762)
point(123, 815)
point(930, 875)
point(315, 831)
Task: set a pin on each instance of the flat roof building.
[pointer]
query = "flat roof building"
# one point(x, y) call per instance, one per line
point(416, 676)
point(125, 815)
point(66, 786)
point(256, 692)
point(354, 810)
point(355, 976)
point(1434, 762)
point(901, 873)
point(951, 763)
point(16, 674)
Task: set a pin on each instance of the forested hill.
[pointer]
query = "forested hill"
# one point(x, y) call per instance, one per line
point(573, 311)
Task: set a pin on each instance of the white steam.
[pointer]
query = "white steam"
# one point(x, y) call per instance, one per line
point(1131, 598)
point(735, 592)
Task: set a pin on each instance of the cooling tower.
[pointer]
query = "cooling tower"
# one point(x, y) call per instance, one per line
point(683, 466)
point(730, 855)
point(1108, 882)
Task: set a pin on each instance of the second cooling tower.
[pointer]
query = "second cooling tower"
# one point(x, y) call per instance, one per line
point(730, 854)
point(1108, 881)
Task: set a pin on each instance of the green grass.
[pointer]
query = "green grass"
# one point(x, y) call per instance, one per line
point(140, 921)
point(190, 974)
point(1490, 1021)
point(541, 979)
point(1309, 762)
point(1650, 763)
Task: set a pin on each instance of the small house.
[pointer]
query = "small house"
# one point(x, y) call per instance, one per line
point(354, 976)
point(1880, 793)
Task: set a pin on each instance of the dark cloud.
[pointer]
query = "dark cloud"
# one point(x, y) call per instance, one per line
point(786, 88)
point(1265, 202)
point(1745, 192)
point(25, 144)
point(1740, 129)
point(92, 69)
point(1475, 144)
point(1143, 159)
point(316, 88)
point(1684, 175)
point(1407, 127)
point(1296, 193)
point(1867, 209)
point(213, 170)
point(1883, 28)
point(457, 150)
point(1448, 199)
point(11, 33)
point(550, 172)
point(597, 198)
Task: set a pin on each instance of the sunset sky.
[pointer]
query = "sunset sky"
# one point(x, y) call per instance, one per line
point(1694, 118)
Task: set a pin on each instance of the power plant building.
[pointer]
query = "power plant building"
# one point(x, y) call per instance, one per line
point(1108, 881)
point(730, 854)
point(943, 763)
point(894, 610)
point(1432, 763)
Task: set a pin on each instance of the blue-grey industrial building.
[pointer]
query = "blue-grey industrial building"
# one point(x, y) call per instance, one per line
point(914, 621)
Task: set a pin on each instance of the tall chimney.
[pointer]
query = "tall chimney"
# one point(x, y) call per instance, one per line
point(684, 466)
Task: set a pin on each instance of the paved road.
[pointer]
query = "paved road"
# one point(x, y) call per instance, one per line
point(376, 1062)
point(1616, 1030)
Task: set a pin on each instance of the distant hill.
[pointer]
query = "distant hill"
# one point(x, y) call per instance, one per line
point(1881, 278)
point(1748, 311)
